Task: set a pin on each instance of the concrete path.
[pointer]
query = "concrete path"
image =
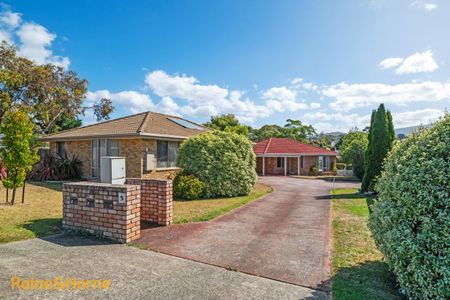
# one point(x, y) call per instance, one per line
point(284, 236)
point(134, 273)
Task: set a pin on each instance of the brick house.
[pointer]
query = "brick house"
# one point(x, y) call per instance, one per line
point(282, 156)
point(138, 137)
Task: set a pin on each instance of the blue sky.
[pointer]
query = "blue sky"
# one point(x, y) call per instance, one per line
point(327, 63)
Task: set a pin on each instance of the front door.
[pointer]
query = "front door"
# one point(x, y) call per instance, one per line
point(320, 163)
point(292, 164)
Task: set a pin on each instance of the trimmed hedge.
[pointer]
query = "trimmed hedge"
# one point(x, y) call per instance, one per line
point(410, 219)
point(223, 161)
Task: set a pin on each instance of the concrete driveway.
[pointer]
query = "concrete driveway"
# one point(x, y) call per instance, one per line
point(134, 273)
point(284, 236)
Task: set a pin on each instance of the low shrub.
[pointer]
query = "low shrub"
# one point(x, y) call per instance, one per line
point(314, 171)
point(52, 167)
point(340, 166)
point(223, 161)
point(333, 168)
point(188, 187)
point(410, 219)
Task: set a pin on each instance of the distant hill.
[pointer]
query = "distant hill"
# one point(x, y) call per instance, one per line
point(408, 130)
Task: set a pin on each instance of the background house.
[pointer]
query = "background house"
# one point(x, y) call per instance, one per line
point(139, 138)
point(282, 156)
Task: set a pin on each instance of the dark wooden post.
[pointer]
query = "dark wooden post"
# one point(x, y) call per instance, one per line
point(13, 196)
point(23, 192)
point(7, 195)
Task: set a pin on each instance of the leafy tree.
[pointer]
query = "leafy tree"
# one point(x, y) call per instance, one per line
point(18, 157)
point(410, 219)
point(380, 143)
point(322, 140)
point(267, 131)
point(390, 125)
point(223, 161)
point(294, 129)
point(353, 148)
point(66, 123)
point(48, 93)
point(227, 122)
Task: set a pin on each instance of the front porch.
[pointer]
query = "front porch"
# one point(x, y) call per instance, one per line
point(292, 165)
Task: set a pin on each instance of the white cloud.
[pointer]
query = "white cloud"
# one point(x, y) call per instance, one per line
point(133, 101)
point(390, 62)
point(350, 96)
point(5, 36)
point(424, 5)
point(282, 99)
point(184, 87)
point(9, 18)
point(417, 117)
point(419, 62)
point(33, 40)
point(201, 100)
point(314, 105)
point(332, 121)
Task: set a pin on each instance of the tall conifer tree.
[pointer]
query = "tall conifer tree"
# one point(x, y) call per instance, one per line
point(381, 137)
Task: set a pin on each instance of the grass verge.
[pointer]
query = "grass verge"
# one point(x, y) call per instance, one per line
point(358, 268)
point(207, 209)
point(40, 215)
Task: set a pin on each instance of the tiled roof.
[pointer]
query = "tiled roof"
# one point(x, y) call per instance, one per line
point(142, 124)
point(288, 146)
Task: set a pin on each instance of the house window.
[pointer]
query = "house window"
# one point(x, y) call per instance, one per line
point(166, 154)
point(326, 163)
point(280, 162)
point(301, 162)
point(102, 147)
point(61, 149)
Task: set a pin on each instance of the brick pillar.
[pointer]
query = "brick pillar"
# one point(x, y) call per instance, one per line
point(156, 199)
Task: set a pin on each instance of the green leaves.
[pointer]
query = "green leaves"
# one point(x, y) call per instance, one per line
point(381, 136)
point(223, 161)
point(17, 154)
point(353, 148)
point(410, 219)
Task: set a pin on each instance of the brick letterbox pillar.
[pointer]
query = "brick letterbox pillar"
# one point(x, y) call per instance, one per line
point(156, 199)
point(105, 210)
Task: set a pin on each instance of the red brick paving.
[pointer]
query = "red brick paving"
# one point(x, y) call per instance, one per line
point(284, 236)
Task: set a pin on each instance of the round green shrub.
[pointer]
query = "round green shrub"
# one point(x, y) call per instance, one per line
point(188, 187)
point(410, 219)
point(314, 171)
point(223, 161)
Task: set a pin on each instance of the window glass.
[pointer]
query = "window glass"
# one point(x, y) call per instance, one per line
point(61, 149)
point(113, 148)
point(166, 154)
point(301, 162)
point(280, 162)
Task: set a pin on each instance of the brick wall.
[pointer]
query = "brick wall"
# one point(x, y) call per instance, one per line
point(95, 208)
point(156, 200)
point(82, 150)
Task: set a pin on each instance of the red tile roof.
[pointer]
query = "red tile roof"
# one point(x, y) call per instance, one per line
point(288, 146)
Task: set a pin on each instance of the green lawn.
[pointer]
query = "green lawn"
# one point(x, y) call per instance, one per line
point(358, 268)
point(207, 209)
point(40, 215)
